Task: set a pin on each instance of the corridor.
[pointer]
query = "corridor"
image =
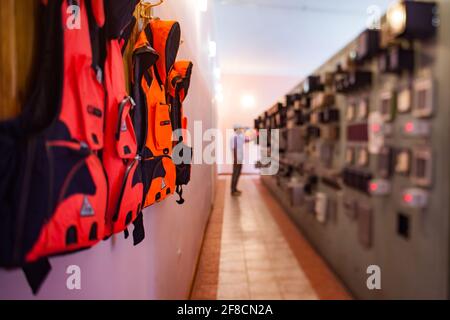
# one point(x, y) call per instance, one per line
point(252, 250)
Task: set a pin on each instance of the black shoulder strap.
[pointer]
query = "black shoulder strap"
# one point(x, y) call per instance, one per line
point(119, 14)
point(126, 34)
point(36, 273)
point(180, 194)
point(144, 58)
point(139, 230)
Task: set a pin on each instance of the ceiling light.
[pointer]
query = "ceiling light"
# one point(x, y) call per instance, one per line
point(212, 49)
point(412, 20)
point(219, 97)
point(202, 5)
point(396, 17)
point(217, 73)
point(248, 101)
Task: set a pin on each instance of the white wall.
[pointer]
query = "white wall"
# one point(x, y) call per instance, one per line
point(163, 266)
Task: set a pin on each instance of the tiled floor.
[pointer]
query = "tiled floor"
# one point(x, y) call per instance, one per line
point(260, 253)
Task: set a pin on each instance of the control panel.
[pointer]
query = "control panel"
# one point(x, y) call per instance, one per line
point(363, 143)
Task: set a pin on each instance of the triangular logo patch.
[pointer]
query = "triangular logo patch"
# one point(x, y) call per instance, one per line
point(163, 184)
point(87, 210)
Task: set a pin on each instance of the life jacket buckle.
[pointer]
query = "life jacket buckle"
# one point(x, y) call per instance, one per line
point(99, 74)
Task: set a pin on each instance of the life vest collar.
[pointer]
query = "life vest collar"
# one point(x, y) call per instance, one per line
point(164, 37)
point(144, 57)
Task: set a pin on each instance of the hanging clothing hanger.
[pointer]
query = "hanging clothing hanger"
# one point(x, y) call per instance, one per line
point(143, 13)
point(145, 8)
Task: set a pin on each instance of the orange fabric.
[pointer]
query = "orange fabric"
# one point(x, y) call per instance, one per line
point(52, 239)
point(130, 203)
point(159, 137)
point(141, 41)
point(98, 10)
point(83, 94)
point(162, 186)
point(166, 41)
point(82, 115)
point(184, 70)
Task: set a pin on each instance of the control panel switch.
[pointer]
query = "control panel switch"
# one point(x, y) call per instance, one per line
point(379, 187)
point(415, 198)
point(417, 129)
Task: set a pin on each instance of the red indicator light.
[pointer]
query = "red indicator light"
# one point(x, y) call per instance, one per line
point(376, 128)
point(373, 187)
point(408, 198)
point(409, 127)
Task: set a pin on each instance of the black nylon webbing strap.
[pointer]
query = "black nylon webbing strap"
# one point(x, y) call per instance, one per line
point(139, 230)
point(36, 273)
point(180, 194)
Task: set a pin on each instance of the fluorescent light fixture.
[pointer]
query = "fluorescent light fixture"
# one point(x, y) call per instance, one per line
point(219, 97)
point(212, 49)
point(217, 73)
point(248, 101)
point(396, 17)
point(202, 5)
point(219, 92)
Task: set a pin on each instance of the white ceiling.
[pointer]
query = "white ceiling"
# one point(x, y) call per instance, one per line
point(285, 37)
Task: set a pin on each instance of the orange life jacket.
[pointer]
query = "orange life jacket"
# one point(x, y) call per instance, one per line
point(78, 199)
point(58, 189)
point(57, 193)
point(120, 157)
point(155, 52)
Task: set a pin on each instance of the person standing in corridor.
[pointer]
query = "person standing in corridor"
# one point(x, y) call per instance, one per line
point(237, 146)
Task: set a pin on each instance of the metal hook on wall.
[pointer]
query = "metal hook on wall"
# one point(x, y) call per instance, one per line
point(145, 8)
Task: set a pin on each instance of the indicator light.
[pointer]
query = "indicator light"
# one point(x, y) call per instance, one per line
point(417, 128)
point(379, 187)
point(415, 198)
point(408, 198)
point(409, 127)
point(376, 128)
